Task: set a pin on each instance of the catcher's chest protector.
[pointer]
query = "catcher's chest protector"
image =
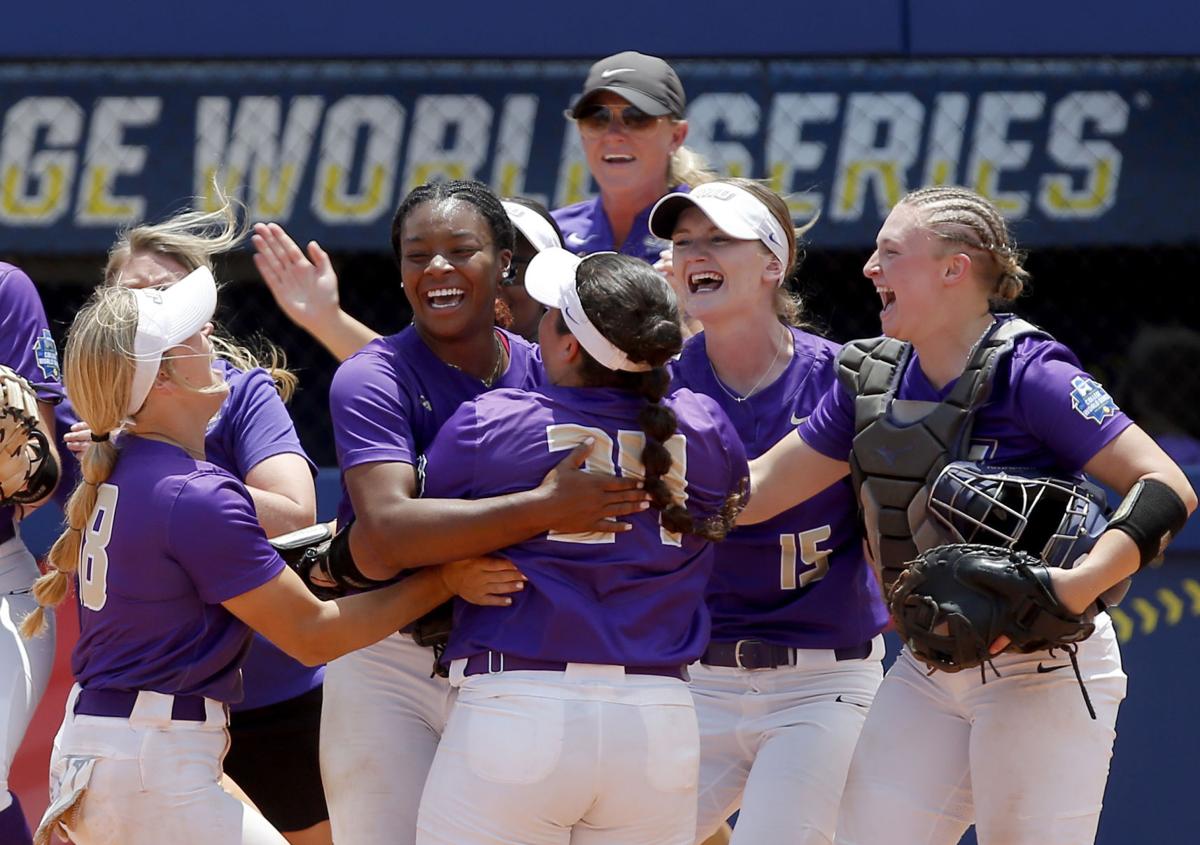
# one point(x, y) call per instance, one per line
point(901, 445)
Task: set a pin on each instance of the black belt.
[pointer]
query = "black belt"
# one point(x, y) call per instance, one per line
point(756, 654)
point(491, 662)
point(119, 704)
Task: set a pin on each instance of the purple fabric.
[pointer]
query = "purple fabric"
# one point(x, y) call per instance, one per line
point(26, 347)
point(586, 229)
point(1044, 412)
point(754, 592)
point(634, 598)
point(252, 425)
point(13, 828)
point(389, 399)
point(183, 537)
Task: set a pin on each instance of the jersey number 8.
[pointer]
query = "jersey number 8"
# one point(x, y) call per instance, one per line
point(93, 553)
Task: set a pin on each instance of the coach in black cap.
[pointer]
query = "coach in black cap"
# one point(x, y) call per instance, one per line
point(632, 125)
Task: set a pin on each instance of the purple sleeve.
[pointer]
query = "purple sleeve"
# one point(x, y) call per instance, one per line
point(1063, 406)
point(262, 427)
point(370, 412)
point(830, 427)
point(214, 535)
point(449, 467)
point(25, 342)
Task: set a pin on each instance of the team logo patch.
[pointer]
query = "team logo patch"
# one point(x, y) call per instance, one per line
point(45, 352)
point(1090, 400)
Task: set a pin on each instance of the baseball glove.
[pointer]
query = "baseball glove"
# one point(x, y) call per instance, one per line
point(953, 602)
point(24, 449)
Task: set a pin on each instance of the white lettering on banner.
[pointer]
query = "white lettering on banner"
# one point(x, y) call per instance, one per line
point(514, 140)
point(449, 138)
point(108, 158)
point(865, 159)
point(724, 115)
point(337, 197)
point(789, 155)
point(1100, 160)
point(35, 184)
point(255, 163)
point(946, 130)
point(994, 151)
point(574, 181)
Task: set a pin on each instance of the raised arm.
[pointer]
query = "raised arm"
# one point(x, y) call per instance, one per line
point(306, 289)
point(788, 473)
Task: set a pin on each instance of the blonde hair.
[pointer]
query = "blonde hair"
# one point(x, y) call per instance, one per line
point(961, 216)
point(98, 375)
point(788, 305)
point(192, 238)
point(688, 167)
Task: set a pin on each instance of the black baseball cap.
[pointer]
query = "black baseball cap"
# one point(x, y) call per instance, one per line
point(645, 81)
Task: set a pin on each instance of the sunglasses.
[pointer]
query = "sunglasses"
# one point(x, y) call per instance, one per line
point(595, 120)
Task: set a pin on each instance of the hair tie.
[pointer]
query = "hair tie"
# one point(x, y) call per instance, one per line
point(100, 438)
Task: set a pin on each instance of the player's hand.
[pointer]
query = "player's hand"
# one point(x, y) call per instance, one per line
point(665, 264)
point(304, 286)
point(1071, 588)
point(577, 501)
point(483, 580)
point(78, 438)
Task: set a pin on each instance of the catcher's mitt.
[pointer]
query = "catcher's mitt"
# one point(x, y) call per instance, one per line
point(26, 464)
point(307, 551)
point(953, 602)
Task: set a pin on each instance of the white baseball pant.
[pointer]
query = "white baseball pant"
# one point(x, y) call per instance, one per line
point(589, 756)
point(25, 665)
point(1018, 756)
point(777, 743)
point(147, 779)
point(381, 720)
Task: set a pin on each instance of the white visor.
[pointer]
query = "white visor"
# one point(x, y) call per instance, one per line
point(551, 280)
point(167, 317)
point(733, 210)
point(532, 225)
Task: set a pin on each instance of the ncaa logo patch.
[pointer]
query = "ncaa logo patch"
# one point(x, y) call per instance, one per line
point(45, 352)
point(1090, 400)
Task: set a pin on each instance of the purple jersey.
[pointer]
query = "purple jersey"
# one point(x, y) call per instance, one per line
point(390, 398)
point(169, 540)
point(800, 578)
point(635, 598)
point(1044, 413)
point(26, 347)
point(586, 229)
point(252, 425)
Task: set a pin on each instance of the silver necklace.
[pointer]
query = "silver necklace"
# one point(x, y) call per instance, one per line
point(757, 384)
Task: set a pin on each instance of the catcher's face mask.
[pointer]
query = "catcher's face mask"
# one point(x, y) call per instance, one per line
point(1054, 519)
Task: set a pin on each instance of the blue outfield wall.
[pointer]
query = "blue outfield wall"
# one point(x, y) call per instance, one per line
point(1151, 795)
point(1074, 152)
point(539, 29)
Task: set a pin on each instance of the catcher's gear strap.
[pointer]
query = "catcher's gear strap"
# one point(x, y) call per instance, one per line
point(900, 446)
point(1151, 514)
point(44, 477)
point(341, 566)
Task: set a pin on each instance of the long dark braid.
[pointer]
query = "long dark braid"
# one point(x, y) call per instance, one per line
point(476, 193)
point(635, 309)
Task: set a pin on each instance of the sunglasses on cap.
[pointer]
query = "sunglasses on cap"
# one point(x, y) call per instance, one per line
point(594, 121)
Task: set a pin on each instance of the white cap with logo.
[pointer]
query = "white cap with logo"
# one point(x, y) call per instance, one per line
point(733, 210)
point(532, 225)
point(166, 318)
point(551, 279)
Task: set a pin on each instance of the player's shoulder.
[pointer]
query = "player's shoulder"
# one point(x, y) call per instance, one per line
point(696, 410)
point(1039, 348)
point(808, 343)
point(387, 358)
point(15, 287)
point(584, 209)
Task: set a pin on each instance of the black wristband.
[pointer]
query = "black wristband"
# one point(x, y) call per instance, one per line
point(1151, 514)
point(342, 567)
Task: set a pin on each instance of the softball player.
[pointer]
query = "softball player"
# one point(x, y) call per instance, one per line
point(275, 726)
point(782, 690)
point(1019, 755)
point(384, 712)
point(572, 722)
point(535, 231)
point(172, 568)
point(632, 127)
point(26, 347)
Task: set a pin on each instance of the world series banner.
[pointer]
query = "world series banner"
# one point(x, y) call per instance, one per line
point(1074, 152)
